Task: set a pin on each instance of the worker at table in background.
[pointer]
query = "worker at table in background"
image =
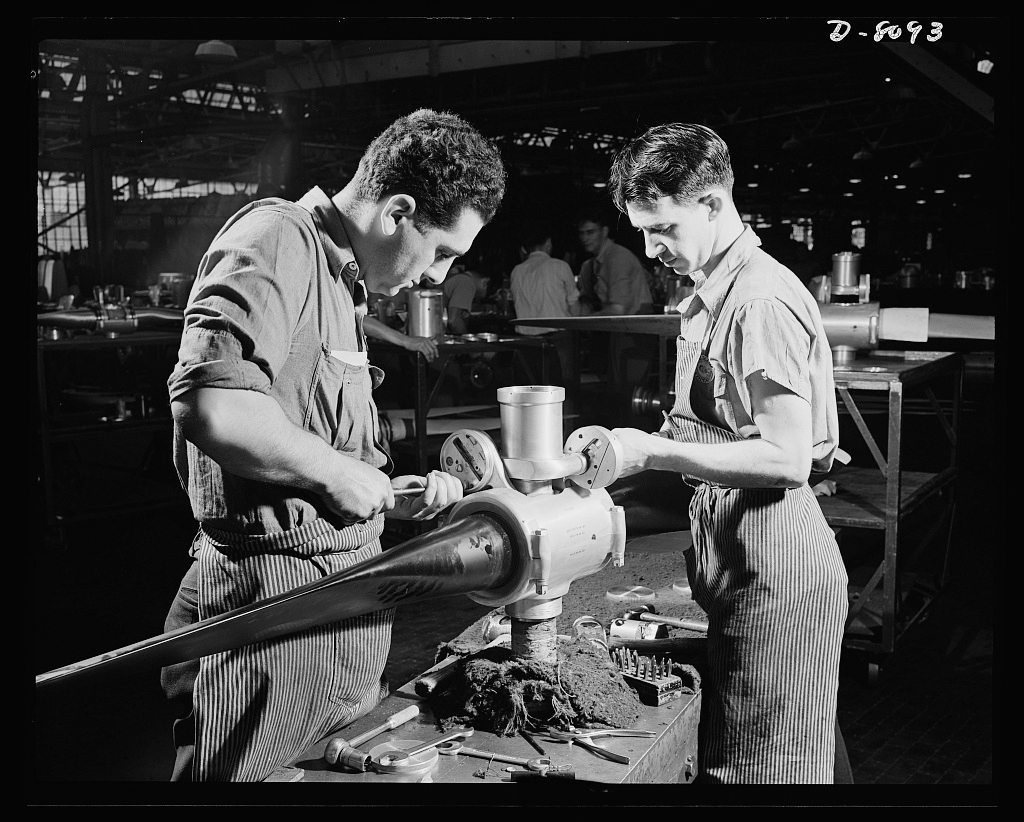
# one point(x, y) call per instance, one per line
point(379, 330)
point(545, 287)
point(754, 415)
point(459, 289)
point(276, 435)
point(613, 282)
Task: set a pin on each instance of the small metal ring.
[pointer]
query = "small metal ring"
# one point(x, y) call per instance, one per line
point(449, 748)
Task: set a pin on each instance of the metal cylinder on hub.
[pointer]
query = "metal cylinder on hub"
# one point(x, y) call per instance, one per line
point(531, 428)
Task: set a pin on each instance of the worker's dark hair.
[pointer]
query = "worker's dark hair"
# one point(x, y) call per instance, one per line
point(678, 160)
point(595, 214)
point(533, 235)
point(441, 161)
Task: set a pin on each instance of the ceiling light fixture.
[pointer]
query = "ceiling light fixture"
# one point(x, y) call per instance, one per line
point(216, 51)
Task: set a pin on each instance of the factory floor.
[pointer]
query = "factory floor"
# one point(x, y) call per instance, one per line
point(925, 721)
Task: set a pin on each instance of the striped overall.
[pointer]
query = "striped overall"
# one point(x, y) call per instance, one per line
point(252, 709)
point(766, 569)
point(263, 704)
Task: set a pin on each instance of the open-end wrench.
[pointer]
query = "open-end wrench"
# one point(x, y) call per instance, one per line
point(392, 757)
point(536, 763)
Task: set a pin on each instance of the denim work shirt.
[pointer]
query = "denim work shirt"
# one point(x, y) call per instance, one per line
point(277, 307)
point(752, 315)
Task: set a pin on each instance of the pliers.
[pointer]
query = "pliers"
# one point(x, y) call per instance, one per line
point(585, 739)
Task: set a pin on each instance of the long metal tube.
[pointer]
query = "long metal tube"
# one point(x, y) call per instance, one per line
point(118, 318)
point(472, 554)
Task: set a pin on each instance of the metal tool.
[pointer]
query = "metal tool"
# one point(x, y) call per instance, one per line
point(651, 677)
point(647, 613)
point(533, 742)
point(346, 753)
point(585, 739)
point(535, 763)
point(392, 757)
point(635, 629)
point(409, 491)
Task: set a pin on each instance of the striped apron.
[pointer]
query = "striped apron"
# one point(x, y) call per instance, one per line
point(766, 569)
point(261, 705)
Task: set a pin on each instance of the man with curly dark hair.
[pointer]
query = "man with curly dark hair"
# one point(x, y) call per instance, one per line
point(276, 436)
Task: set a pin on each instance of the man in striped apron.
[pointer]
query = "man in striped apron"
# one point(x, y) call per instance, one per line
point(754, 416)
point(277, 440)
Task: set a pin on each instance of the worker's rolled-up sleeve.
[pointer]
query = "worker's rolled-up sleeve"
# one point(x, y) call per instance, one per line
point(239, 320)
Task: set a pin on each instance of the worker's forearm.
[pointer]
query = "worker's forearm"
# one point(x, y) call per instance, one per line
point(458, 322)
point(752, 463)
point(248, 434)
point(382, 331)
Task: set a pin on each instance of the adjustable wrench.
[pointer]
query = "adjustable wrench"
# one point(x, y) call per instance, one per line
point(536, 763)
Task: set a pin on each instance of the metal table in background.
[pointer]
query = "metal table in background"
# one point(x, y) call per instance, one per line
point(891, 595)
point(104, 490)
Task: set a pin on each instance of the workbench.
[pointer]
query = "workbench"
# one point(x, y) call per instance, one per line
point(671, 756)
point(654, 562)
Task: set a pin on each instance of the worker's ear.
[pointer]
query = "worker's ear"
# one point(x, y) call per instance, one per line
point(714, 203)
point(396, 209)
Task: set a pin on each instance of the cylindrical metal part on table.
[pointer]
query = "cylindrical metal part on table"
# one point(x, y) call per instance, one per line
point(636, 629)
point(425, 317)
point(589, 628)
point(531, 421)
point(846, 277)
point(850, 327)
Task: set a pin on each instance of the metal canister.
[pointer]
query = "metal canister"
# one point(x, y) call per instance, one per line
point(589, 628)
point(425, 316)
point(637, 629)
point(846, 277)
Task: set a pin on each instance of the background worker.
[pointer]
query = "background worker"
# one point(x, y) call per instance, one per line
point(276, 435)
point(613, 282)
point(545, 287)
point(378, 330)
point(460, 290)
point(755, 414)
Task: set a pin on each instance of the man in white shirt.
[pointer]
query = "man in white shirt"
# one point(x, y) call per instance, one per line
point(543, 286)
